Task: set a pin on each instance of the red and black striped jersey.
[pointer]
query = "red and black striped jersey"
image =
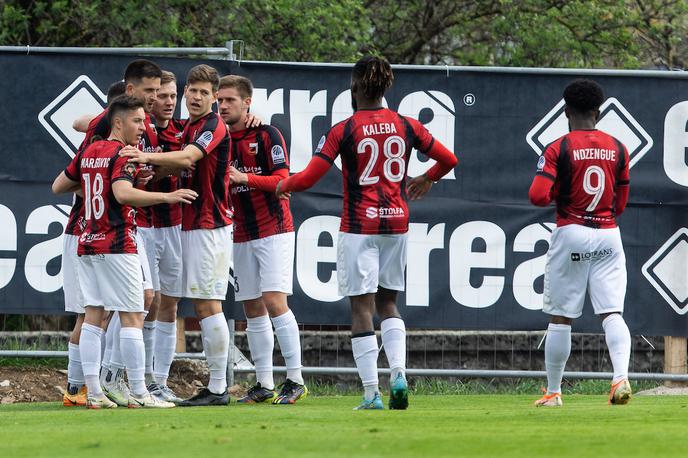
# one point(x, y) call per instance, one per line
point(210, 178)
point(375, 146)
point(169, 139)
point(99, 129)
point(587, 167)
point(259, 213)
point(109, 227)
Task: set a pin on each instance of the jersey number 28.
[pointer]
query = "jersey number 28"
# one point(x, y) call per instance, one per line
point(394, 150)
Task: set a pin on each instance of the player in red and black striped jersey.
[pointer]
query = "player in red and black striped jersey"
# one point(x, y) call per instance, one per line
point(374, 145)
point(586, 172)
point(263, 244)
point(109, 266)
point(206, 224)
point(164, 249)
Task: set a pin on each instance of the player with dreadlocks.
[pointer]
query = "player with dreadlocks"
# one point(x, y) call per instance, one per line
point(374, 144)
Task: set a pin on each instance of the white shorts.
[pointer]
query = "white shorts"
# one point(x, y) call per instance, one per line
point(74, 299)
point(113, 281)
point(141, 244)
point(582, 258)
point(164, 253)
point(263, 265)
point(207, 258)
point(365, 261)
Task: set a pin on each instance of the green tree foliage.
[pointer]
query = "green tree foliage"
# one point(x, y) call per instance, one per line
point(548, 33)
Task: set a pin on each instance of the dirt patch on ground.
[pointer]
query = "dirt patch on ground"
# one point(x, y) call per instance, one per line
point(41, 384)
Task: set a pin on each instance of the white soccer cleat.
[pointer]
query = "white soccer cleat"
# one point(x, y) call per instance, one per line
point(99, 402)
point(148, 402)
point(620, 392)
point(549, 400)
point(117, 390)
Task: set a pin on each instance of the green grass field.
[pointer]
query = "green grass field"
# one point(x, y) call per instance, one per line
point(471, 425)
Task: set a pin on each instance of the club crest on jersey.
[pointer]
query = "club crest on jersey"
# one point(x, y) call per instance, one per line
point(205, 139)
point(278, 156)
point(129, 169)
point(253, 148)
point(321, 143)
point(541, 163)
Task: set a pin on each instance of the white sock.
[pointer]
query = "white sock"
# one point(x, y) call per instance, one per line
point(365, 353)
point(116, 361)
point(165, 345)
point(109, 337)
point(133, 354)
point(557, 350)
point(103, 346)
point(216, 347)
point(619, 343)
point(261, 343)
point(75, 373)
point(89, 350)
point(287, 332)
point(149, 343)
point(394, 343)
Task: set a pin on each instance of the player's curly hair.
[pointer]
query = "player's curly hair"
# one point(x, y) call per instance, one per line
point(373, 76)
point(583, 96)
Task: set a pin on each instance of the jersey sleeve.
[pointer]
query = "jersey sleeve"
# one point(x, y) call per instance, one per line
point(623, 177)
point(124, 170)
point(328, 146)
point(276, 149)
point(422, 140)
point(73, 170)
point(547, 164)
point(212, 134)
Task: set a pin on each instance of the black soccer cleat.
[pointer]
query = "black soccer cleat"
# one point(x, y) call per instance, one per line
point(257, 394)
point(290, 393)
point(206, 398)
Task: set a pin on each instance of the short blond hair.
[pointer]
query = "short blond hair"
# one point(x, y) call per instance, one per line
point(167, 77)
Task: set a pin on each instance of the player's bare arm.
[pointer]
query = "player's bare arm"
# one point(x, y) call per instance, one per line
point(81, 123)
point(63, 184)
point(178, 160)
point(127, 194)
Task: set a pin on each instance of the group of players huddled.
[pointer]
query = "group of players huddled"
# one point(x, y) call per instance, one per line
point(162, 207)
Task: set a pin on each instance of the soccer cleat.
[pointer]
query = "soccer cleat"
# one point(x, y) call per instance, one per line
point(77, 399)
point(148, 402)
point(372, 404)
point(398, 394)
point(549, 400)
point(290, 393)
point(117, 389)
point(257, 394)
point(163, 393)
point(620, 392)
point(99, 402)
point(206, 398)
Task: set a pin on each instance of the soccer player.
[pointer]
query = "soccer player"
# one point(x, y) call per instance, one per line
point(263, 244)
point(164, 249)
point(108, 266)
point(586, 173)
point(75, 395)
point(374, 145)
point(206, 224)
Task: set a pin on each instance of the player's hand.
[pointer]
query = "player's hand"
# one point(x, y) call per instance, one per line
point(237, 177)
point(252, 120)
point(419, 186)
point(280, 194)
point(134, 154)
point(144, 177)
point(183, 196)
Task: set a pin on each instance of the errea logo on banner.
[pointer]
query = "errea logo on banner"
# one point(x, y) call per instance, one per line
point(667, 271)
point(614, 120)
point(81, 97)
